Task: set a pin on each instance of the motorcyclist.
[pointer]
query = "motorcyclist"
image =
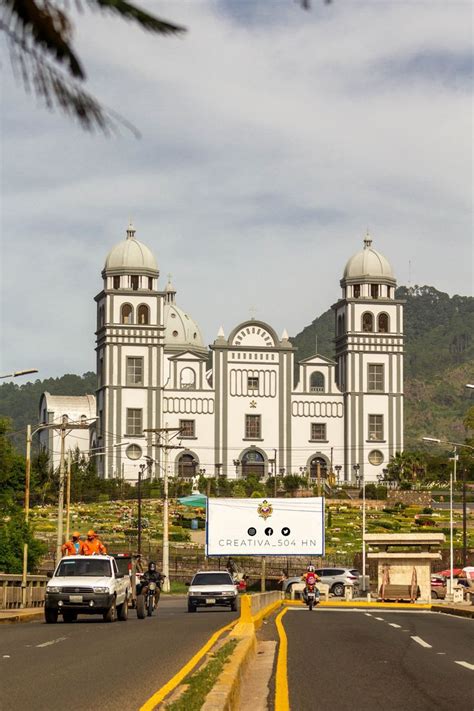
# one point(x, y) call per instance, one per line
point(93, 545)
point(151, 575)
point(73, 547)
point(310, 578)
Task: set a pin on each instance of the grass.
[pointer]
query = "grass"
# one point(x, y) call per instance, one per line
point(201, 682)
point(177, 587)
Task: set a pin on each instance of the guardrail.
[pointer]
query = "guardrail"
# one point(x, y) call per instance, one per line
point(11, 591)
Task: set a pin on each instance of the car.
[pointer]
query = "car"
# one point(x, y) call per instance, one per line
point(438, 587)
point(335, 578)
point(210, 588)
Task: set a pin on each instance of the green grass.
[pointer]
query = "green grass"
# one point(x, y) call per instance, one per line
point(202, 681)
point(177, 587)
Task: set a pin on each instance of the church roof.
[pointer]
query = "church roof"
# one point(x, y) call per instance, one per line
point(368, 264)
point(131, 257)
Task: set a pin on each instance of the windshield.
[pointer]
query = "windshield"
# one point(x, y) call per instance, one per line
point(84, 568)
point(123, 565)
point(212, 579)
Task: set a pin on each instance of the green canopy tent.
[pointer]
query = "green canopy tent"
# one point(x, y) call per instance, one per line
point(196, 500)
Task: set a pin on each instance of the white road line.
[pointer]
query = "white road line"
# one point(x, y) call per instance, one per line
point(53, 641)
point(368, 614)
point(466, 665)
point(440, 652)
point(379, 618)
point(392, 624)
point(421, 642)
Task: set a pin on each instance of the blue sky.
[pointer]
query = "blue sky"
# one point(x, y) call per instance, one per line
point(272, 137)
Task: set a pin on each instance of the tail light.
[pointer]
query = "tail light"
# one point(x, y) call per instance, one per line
point(351, 577)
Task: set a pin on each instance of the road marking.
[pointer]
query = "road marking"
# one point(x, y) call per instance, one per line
point(392, 624)
point(53, 641)
point(159, 695)
point(282, 699)
point(440, 652)
point(368, 614)
point(421, 642)
point(381, 619)
point(6, 656)
point(466, 665)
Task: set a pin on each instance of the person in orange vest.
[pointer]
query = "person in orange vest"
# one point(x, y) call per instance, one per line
point(73, 547)
point(94, 546)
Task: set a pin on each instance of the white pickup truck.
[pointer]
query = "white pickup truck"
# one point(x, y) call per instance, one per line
point(87, 585)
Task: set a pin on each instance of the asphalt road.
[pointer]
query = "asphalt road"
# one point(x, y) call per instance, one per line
point(90, 664)
point(340, 660)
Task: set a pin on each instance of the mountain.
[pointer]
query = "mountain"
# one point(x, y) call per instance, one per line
point(439, 358)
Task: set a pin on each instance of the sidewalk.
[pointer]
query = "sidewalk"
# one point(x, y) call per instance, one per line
point(24, 615)
point(462, 609)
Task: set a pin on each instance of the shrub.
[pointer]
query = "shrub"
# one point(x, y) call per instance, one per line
point(427, 510)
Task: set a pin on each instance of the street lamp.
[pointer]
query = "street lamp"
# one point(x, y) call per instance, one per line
point(469, 385)
point(304, 473)
point(435, 440)
point(338, 468)
point(360, 480)
point(236, 465)
point(356, 469)
point(17, 373)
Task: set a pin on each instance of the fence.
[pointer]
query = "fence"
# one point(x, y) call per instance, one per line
point(11, 591)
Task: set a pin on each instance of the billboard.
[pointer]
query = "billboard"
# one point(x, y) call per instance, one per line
point(265, 527)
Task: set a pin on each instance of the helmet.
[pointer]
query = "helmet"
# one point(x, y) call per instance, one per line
point(151, 566)
point(91, 534)
point(311, 568)
point(76, 534)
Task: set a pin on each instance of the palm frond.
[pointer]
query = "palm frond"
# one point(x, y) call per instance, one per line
point(142, 18)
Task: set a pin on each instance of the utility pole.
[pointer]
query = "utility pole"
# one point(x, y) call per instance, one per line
point(141, 469)
point(464, 520)
point(274, 468)
point(27, 513)
point(59, 536)
point(68, 493)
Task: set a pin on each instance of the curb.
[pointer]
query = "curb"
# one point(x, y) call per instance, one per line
point(458, 611)
point(29, 617)
point(225, 694)
point(344, 604)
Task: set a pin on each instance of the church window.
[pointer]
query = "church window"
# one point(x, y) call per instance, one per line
point(101, 316)
point(318, 431)
point(116, 282)
point(134, 282)
point(367, 322)
point(173, 315)
point(134, 370)
point(187, 379)
point(356, 288)
point(194, 336)
point(150, 283)
point(383, 323)
point(143, 314)
point(126, 314)
point(187, 428)
point(376, 457)
point(134, 422)
point(101, 371)
point(318, 463)
point(376, 428)
point(187, 466)
point(339, 326)
point(133, 451)
point(253, 426)
point(375, 377)
point(252, 382)
point(253, 464)
point(316, 383)
point(374, 291)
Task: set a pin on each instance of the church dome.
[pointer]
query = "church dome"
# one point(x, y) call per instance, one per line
point(367, 265)
point(131, 257)
point(181, 331)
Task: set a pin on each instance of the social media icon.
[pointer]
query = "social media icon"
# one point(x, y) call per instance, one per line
point(252, 531)
point(269, 531)
point(285, 531)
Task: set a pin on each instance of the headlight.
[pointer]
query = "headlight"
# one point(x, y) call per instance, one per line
point(53, 589)
point(101, 590)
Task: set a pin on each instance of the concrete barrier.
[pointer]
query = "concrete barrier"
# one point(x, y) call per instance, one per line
point(298, 589)
point(11, 591)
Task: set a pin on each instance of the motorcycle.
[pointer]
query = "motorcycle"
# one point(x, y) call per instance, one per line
point(311, 596)
point(146, 601)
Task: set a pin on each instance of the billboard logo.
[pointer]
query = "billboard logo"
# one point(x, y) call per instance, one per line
point(264, 509)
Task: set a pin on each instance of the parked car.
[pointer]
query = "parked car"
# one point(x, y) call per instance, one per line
point(210, 588)
point(438, 587)
point(336, 578)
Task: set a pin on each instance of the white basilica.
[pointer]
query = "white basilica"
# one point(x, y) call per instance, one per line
point(238, 409)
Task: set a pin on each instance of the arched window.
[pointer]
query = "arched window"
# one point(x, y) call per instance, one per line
point(101, 316)
point(383, 323)
point(187, 379)
point(313, 468)
point(187, 466)
point(356, 291)
point(367, 322)
point(126, 314)
point(143, 314)
point(374, 291)
point(253, 464)
point(316, 383)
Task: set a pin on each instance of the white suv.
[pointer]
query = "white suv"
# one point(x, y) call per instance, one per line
point(212, 587)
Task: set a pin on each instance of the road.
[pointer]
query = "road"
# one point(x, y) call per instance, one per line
point(91, 664)
point(374, 660)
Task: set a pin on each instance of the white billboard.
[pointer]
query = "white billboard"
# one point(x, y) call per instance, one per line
point(265, 527)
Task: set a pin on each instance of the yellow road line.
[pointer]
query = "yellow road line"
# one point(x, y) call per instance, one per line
point(282, 700)
point(159, 695)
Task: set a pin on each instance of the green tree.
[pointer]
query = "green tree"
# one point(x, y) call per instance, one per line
point(14, 532)
point(12, 470)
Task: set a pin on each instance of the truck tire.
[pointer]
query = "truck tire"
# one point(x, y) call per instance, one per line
point(111, 614)
point(141, 612)
point(191, 607)
point(123, 611)
point(50, 615)
point(233, 605)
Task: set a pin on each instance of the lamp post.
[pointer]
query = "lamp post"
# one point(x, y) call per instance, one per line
point(435, 440)
point(141, 469)
point(304, 473)
point(361, 481)
point(236, 465)
point(17, 373)
point(338, 468)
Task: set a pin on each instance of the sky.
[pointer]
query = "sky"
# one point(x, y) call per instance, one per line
point(272, 138)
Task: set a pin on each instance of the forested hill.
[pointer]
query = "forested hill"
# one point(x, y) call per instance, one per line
point(439, 358)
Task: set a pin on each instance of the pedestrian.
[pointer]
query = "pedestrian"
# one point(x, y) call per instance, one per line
point(283, 578)
point(93, 545)
point(73, 547)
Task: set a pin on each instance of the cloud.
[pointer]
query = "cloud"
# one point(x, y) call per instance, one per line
point(272, 137)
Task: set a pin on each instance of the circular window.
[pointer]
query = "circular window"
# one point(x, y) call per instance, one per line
point(173, 315)
point(134, 451)
point(175, 334)
point(376, 457)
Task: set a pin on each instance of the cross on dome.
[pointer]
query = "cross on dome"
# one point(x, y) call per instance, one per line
point(367, 240)
point(130, 230)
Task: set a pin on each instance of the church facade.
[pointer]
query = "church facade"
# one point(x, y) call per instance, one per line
point(240, 407)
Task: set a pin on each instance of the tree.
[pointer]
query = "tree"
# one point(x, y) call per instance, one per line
point(406, 467)
point(40, 39)
point(12, 470)
point(14, 532)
